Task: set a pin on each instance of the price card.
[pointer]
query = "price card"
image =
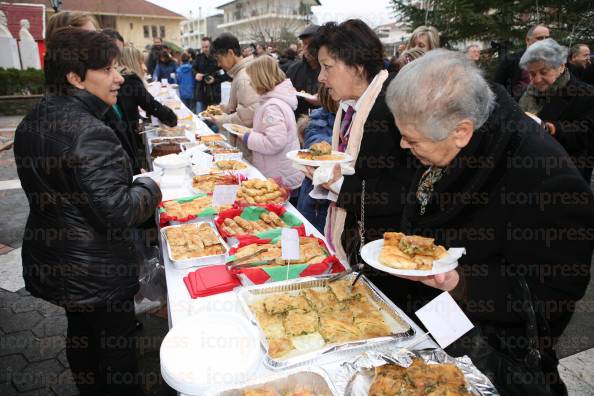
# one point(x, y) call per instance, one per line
point(290, 244)
point(444, 319)
point(224, 195)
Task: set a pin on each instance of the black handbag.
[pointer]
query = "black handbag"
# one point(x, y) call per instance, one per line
point(533, 374)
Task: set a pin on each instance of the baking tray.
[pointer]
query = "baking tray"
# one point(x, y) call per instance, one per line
point(313, 379)
point(199, 261)
point(357, 375)
point(401, 328)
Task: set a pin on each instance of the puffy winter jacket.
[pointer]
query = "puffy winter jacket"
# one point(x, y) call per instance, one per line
point(275, 134)
point(186, 81)
point(78, 246)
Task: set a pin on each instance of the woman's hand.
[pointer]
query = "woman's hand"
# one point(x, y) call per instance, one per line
point(309, 171)
point(446, 281)
point(336, 175)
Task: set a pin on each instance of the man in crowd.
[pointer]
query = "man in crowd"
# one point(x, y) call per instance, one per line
point(304, 74)
point(579, 60)
point(242, 96)
point(473, 53)
point(247, 51)
point(208, 83)
point(153, 58)
point(509, 74)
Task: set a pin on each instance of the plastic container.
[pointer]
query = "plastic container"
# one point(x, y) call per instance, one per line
point(210, 352)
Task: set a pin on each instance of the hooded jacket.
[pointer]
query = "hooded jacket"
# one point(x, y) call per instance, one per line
point(186, 81)
point(79, 243)
point(275, 134)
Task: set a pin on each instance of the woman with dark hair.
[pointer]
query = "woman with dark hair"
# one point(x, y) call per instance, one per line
point(79, 244)
point(352, 68)
point(166, 67)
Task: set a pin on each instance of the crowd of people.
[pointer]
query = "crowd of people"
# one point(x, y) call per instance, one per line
point(499, 166)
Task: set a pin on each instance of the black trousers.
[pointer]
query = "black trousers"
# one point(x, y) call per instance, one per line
point(101, 349)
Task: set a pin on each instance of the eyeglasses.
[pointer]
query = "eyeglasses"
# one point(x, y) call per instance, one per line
point(540, 38)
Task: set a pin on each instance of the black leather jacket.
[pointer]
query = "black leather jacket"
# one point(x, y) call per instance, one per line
point(78, 246)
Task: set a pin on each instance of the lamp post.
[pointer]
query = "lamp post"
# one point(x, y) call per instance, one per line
point(56, 4)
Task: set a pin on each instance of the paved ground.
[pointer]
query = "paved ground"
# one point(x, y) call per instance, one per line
point(32, 350)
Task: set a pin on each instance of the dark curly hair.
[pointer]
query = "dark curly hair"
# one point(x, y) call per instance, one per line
point(352, 42)
point(76, 50)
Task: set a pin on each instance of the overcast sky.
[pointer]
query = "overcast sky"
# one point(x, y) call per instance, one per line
point(374, 12)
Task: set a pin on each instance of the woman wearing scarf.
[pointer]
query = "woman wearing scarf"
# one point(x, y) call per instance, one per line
point(350, 55)
point(522, 220)
point(564, 104)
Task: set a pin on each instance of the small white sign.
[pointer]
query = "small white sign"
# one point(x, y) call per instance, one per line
point(444, 319)
point(224, 195)
point(290, 244)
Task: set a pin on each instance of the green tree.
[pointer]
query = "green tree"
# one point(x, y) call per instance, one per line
point(500, 20)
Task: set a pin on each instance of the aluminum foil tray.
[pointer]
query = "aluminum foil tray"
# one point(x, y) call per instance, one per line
point(196, 261)
point(400, 327)
point(357, 375)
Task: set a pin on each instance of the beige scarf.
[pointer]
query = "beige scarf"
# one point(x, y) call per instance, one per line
point(336, 216)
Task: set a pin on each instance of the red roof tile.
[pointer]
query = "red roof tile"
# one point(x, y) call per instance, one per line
point(110, 7)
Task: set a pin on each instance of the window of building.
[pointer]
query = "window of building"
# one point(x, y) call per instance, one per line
point(131, 26)
point(146, 31)
point(154, 31)
point(162, 31)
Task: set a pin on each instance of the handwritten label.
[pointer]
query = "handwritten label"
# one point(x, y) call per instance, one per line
point(224, 195)
point(444, 319)
point(290, 244)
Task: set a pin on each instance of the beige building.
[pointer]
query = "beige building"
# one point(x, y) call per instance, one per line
point(265, 20)
point(138, 21)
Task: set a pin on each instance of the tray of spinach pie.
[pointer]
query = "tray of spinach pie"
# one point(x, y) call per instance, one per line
point(302, 320)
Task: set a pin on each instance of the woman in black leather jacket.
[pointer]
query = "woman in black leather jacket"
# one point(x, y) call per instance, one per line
point(78, 249)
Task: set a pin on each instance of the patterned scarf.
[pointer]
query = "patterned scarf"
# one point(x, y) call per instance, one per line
point(534, 100)
point(426, 184)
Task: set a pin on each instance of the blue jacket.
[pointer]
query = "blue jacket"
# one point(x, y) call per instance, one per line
point(186, 81)
point(164, 70)
point(319, 129)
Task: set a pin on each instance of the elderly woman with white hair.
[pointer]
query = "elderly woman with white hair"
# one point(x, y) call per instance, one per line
point(563, 103)
point(487, 187)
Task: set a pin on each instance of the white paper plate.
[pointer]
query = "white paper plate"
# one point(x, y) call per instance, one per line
point(292, 155)
point(209, 352)
point(305, 95)
point(371, 252)
point(229, 128)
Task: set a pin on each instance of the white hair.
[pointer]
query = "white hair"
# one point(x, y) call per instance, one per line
point(468, 47)
point(547, 51)
point(437, 91)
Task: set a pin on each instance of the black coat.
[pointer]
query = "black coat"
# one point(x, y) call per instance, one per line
point(132, 95)
point(207, 93)
point(78, 246)
point(515, 201)
point(304, 78)
point(387, 170)
point(571, 110)
point(509, 74)
point(153, 59)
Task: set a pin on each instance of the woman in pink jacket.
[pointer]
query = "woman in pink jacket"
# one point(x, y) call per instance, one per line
point(275, 130)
